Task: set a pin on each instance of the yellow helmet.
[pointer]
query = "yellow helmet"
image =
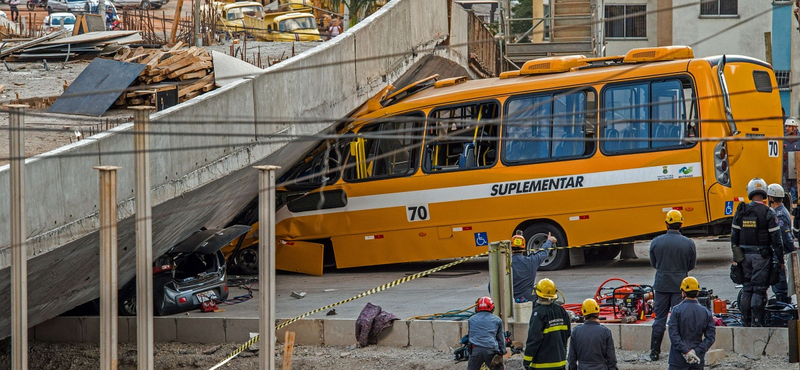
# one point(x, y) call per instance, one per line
point(690, 284)
point(674, 217)
point(546, 288)
point(589, 307)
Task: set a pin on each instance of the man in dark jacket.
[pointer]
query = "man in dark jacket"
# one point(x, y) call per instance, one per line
point(691, 330)
point(524, 266)
point(673, 256)
point(775, 199)
point(486, 337)
point(591, 346)
point(756, 244)
point(548, 331)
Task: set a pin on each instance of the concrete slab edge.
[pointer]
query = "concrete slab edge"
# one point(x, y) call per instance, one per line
point(441, 334)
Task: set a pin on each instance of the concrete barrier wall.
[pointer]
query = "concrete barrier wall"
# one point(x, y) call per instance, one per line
point(440, 334)
point(202, 153)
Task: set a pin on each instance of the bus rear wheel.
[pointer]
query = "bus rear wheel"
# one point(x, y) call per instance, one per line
point(536, 236)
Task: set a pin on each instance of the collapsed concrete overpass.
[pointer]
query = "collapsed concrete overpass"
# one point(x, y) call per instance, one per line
point(203, 151)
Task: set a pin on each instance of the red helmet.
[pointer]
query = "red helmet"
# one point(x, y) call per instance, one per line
point(484, 304)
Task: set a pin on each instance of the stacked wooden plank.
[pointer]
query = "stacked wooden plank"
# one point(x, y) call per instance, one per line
point(87, 45)
point(190, 70)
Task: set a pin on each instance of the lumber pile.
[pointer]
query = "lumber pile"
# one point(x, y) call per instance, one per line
point(83, 46)
point(189, 70)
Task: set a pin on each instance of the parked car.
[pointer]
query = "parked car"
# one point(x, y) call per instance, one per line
point(191, 272)
point(55, 20)
point(65, 5)
point(141, 4)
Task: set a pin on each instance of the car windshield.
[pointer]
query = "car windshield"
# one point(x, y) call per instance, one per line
point(57, 20)
point(304, 23)
point(239, 13)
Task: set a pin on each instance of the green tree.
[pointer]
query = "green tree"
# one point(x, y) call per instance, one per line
point(359, 7)
point(523, 9)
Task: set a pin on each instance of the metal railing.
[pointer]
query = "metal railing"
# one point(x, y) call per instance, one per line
point(484, 53)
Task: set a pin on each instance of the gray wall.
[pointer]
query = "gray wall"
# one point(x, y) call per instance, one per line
point(203, 151)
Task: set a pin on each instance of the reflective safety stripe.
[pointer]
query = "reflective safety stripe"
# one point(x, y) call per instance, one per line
point(776, 228)
point(527, 358)
point(548, 365)
point(554, 328)
point(737, 227)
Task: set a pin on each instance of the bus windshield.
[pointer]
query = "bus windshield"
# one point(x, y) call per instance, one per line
point(240, 12)
point(302, 23)
point(322, 166)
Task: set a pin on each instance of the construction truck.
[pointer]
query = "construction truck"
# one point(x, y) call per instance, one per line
point(283, 26)
point(230, 15)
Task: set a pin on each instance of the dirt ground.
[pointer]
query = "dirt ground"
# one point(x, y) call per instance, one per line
point(75, 356)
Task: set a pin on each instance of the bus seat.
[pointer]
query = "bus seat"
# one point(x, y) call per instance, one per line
point(489, 157)
point(567, 147)
point(467, 157)
point(627, 133)
point(660, 132)
point(612, 139)
point(675, 133)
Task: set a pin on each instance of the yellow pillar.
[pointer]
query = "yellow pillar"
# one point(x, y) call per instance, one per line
point(538, 12)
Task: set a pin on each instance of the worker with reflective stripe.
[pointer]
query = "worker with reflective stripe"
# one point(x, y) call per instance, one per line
point(486, 337)
point(756, 244)
point(691, 330)
point(591, 346)
point(775, 197)
point(673, 256)
point(548, 331)
point(525, 263)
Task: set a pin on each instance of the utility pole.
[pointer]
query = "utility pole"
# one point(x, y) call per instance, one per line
point(198, 38)
point(144, 240)
point(108, 267)
point(19, 250)
point(266, 267)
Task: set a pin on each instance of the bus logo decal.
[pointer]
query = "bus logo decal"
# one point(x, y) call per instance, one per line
point(481, 239)
point(532, 186)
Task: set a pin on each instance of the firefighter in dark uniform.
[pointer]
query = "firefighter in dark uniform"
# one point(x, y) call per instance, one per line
point(691, 330)
point(486, 337)
point(756, 245)
point(775, 197)
point(524, 265)
point(548, 331)
point(673, 256)
point(591, 346)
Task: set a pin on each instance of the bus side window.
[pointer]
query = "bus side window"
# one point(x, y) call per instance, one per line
point(648, 115)
point(462, 137)
point(385, 150)
point(549, 127)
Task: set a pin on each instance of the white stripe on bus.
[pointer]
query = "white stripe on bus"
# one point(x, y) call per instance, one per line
point(503, 189)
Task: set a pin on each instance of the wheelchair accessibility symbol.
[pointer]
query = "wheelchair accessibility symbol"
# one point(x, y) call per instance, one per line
point(728, 208)
point(481, 239)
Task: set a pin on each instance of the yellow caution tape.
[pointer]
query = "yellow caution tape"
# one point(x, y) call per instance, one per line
point(381, 288)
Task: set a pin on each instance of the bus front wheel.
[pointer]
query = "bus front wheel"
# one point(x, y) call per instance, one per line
point(536, 236)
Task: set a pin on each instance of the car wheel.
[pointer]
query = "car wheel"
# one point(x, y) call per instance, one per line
point(146, 5)
point(156, 6)
point(247, 260)
point(127, 305)
point(536, 235)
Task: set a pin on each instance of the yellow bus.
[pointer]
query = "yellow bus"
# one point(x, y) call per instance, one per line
point(588, 149)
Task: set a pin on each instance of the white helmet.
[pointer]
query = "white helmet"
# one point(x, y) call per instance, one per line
point(791, 121)
point(775, 191)
point(756, 186)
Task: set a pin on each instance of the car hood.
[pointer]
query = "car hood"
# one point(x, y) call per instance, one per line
point(209, 241)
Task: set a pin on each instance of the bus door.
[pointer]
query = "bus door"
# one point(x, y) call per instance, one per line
point(646, 138)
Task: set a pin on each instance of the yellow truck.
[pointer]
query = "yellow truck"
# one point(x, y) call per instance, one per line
point(283, 26)
point(231, 15)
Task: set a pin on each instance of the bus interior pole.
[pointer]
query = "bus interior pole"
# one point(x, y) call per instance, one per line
point(266, 268)
point(108, 267)
point(494, 275)
point(19, 255)
point(144, 240)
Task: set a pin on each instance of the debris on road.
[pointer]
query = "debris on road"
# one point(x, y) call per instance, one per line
point(298, 295)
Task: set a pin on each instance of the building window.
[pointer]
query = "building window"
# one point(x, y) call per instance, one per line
point(784, 80)
point(626, 21)
point(719, 7)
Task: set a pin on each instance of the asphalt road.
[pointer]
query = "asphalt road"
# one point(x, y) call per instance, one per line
point(463, 284)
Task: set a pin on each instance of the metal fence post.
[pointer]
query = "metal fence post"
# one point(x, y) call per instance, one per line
point(144, 240)
point(266, 268)
point(108, 267)
point(19, 250)
point(494, 275)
